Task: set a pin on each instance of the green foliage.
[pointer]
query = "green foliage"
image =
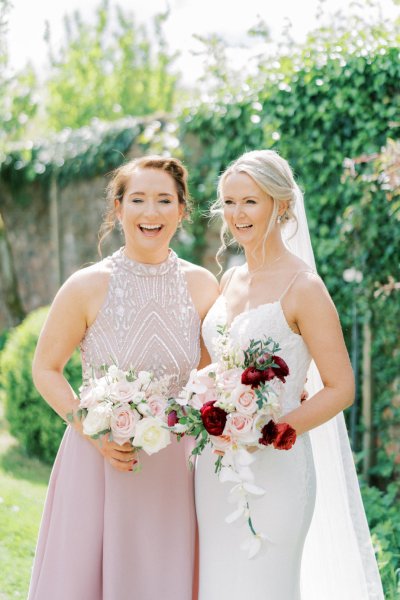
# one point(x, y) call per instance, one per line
point(383, 519)
point(86, 152)
point(35, 425)
point(109, 69)
point(17, 101)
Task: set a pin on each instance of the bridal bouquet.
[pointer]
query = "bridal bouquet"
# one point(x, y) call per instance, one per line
point(130, 406)
point(234, 405)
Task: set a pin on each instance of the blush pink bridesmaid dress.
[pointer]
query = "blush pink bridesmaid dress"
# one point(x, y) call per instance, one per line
point(107, 535)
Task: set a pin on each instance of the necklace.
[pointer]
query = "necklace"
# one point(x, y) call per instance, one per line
point(265, 268)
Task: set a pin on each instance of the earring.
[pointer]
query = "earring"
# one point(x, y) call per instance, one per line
point(119, 226)
point(279, 219)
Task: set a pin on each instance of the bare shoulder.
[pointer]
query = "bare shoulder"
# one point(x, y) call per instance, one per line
point(203, 286)
point(310, 297)
point(88, 280)
point(198, 274)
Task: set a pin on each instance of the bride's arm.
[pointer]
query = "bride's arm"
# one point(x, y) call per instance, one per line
point(73, 309)
point(317, 320)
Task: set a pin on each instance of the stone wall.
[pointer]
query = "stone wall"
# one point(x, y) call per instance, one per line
point(52, 233)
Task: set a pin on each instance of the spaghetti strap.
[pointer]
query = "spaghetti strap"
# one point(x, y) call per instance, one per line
point(291, 282)
point(229, 280)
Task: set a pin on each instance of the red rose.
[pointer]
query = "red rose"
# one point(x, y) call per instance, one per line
point(252, 376)
point(285, 436)
point(268, 433)
point(172, 418)
point(213, 417)
point(282, 370)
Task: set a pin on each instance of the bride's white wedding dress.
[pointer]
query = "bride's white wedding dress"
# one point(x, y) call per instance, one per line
point(285, 511)
point(312, 493)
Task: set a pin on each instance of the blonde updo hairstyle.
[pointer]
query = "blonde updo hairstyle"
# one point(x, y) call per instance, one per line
point(273, 176)
point(119, 180)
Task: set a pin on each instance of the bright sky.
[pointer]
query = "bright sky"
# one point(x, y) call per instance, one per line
point(228, 18)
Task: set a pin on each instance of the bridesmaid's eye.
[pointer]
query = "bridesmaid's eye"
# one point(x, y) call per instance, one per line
point(136, 200)
point(165, 201)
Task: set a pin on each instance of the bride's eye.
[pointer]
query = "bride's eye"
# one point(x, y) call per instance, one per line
point(251, 201)
point(228, 202)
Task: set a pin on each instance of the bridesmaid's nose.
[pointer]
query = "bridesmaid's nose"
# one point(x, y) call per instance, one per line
point(150, 208)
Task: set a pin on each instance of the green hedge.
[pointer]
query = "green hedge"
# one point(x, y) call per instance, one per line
point(35, 425)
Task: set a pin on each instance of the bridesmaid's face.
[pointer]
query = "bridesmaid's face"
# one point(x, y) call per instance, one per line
point(150, 211)
point(247, 209)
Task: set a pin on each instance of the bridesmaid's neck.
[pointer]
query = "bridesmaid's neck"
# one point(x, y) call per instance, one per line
point(147, 257)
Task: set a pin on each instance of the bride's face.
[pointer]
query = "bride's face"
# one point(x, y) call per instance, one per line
point(247, 209)
point(150, 211)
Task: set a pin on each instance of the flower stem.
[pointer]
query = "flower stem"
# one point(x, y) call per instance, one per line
point(250, 522)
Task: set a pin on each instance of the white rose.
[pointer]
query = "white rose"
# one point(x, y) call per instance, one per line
point(97, 419)
point(86, 397)
point(151, 435)
point(144, 378)
point(100, 392)
point(116, 373)
point(143, 408)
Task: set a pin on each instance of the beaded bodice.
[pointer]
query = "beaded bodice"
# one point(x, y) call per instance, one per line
point(264, 320)
point(147, 321)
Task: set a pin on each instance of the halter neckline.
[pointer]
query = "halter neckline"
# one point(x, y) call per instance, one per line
point(146, 269)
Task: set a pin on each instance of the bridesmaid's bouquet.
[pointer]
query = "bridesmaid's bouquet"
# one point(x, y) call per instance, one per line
point(233, 404)
point(130, 406)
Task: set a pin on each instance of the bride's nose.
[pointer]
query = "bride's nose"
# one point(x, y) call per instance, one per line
point(239, 210)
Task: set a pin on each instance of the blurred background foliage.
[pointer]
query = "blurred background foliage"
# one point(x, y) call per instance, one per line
point(330, 105)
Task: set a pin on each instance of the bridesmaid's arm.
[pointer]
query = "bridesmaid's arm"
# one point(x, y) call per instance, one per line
point(62, 332)
point(317, 320)
point(73, 309)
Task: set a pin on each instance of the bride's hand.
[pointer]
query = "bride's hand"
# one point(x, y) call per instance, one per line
point(123, 458)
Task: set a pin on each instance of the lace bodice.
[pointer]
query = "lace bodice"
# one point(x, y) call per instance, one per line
point(147, 321)
point(269, 320)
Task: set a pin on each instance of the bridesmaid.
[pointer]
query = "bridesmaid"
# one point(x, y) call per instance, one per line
point(108, 533)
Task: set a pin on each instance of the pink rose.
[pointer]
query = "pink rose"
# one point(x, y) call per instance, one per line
point(123, 423)
point(157, 405)
point(123, 391)
point(245, 399)
point(240, 426)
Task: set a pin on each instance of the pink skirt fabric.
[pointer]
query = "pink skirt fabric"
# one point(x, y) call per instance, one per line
point(107, 535)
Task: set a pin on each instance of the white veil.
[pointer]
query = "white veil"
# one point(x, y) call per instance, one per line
point(338, 560)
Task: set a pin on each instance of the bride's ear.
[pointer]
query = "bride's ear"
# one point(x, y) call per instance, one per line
point(283, 207)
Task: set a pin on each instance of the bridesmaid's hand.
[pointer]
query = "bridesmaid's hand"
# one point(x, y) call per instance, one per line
point(123, 458)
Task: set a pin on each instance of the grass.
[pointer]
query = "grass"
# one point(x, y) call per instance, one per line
point(23, 485)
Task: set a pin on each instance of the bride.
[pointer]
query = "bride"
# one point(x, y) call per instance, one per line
point(312, 513)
